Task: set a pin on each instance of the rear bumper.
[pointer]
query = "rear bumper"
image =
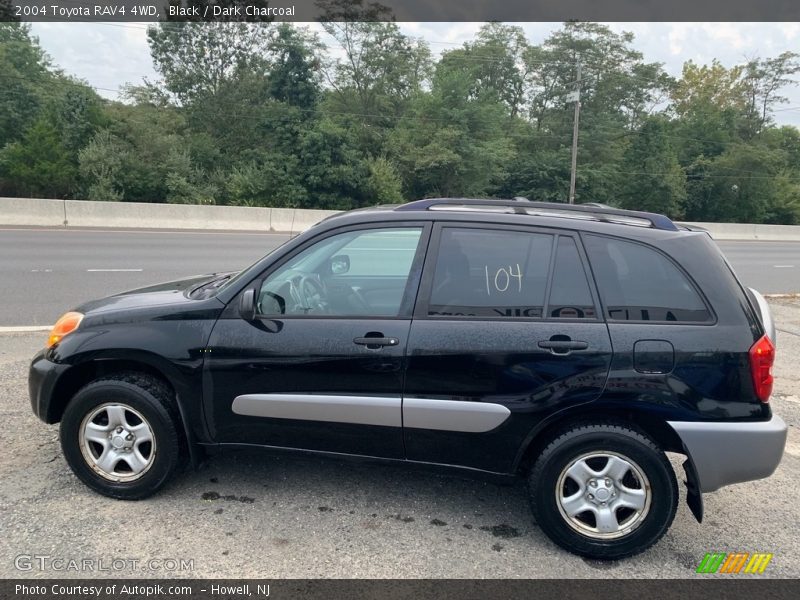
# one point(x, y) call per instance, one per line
point(727, 453)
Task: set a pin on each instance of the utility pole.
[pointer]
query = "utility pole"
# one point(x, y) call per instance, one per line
point(577, 96)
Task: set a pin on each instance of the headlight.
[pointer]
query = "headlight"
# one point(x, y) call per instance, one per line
point(65, 325)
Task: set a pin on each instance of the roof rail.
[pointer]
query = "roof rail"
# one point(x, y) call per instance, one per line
point(552, 209)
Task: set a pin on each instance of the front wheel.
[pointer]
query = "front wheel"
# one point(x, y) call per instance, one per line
point(120, 435)
point(603, 491)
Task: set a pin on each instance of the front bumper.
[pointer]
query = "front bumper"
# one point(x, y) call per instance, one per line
point(732, 452)
point(42, 377)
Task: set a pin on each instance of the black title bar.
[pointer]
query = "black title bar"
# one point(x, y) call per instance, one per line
point(403, 589)
point(399, 10)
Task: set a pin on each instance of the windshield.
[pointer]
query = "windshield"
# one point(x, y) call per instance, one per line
point(244, 273)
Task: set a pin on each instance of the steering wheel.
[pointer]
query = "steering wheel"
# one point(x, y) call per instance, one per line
point(310, 294)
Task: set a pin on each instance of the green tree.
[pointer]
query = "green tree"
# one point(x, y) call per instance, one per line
point(269, 181)
point(619, 89)
point(76, 111)
point(786, 139)
point(7, 11)
point(38, 165)
point(196, 60)
point(101, 163)
point(710, 102)
point(539, 171)
point(496, 63)
point(382, 69)
point(332, 167)
point(741, 185)
point(763, 80)
point(295, 73)
point(451, 145)
point(714, 85)
point(149, 142)
point(384, 185)
point(23, 76)
point(784, 207)
point(652, 179)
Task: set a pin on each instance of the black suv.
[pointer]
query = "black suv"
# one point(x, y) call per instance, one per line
point(572, 345)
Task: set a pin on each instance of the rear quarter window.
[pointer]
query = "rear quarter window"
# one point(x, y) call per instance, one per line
point(639, 283)
point(570, 295)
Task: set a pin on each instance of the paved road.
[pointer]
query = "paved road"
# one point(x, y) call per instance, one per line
point(250, 514)
point(47, 271)
point(770, 267)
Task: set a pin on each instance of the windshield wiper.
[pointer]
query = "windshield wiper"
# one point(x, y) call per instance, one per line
point(211, 285)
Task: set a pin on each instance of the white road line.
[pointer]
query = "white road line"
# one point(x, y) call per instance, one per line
point(114, 270)
point(783, 266)
point(26, 329)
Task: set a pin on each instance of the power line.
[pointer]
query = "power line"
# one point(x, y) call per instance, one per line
point(689, 176)
point(59, 81)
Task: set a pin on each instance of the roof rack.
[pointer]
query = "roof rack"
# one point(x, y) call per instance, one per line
point(593, 212)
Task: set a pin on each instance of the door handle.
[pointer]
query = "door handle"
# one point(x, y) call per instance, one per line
point(562, 346)
point(374, 343)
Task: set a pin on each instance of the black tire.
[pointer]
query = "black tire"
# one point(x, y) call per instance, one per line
point(152, 400)
point(578, 441)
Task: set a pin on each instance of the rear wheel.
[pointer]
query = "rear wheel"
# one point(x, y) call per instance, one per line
point(120, 435)
point(603, 491)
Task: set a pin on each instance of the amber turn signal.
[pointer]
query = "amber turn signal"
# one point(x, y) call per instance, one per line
point(66, 324)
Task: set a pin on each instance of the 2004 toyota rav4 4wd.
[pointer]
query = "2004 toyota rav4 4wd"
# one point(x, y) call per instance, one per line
point(571, 345)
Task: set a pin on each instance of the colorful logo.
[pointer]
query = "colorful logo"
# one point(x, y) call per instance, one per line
point(735, 562)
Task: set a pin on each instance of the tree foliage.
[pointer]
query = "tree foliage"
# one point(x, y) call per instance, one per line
point(197, 59)
point(653, 178)
point(23, 74)
point(263, 114)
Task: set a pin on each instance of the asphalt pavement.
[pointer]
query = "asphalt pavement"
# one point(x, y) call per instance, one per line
point(253, 514)
point(250, 514)
point(48, 271)
point(45, 272)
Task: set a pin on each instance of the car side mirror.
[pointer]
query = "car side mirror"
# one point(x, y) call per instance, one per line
point(340, 264)
point(247, 305)
point(272, 305)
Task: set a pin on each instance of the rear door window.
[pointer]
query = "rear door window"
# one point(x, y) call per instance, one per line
point(638, 283)
point(509, 274)
point(490, 273)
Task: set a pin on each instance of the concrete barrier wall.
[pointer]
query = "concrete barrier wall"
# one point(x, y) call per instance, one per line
point(23, 211)
point(749, 231)
point(143, 215)
point(82, 213)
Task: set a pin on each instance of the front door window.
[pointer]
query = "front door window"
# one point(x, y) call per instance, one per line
point(361, 273)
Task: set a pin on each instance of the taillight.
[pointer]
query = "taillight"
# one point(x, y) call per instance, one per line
point(762, 357)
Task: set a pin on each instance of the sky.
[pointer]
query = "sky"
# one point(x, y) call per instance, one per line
point(109, 55)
